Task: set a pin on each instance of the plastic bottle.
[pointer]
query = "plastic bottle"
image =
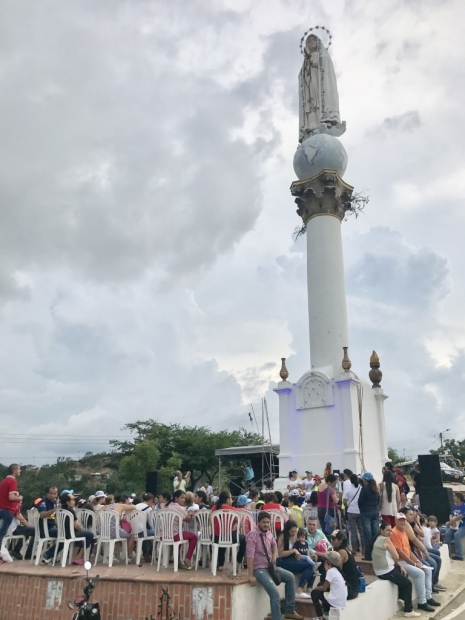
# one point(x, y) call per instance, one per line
point(362, 584)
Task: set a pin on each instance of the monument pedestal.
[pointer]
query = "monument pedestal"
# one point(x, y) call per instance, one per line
point(329, 415)
point(330, 419)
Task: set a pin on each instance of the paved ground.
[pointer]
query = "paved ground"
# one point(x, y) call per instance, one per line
point(452, 600)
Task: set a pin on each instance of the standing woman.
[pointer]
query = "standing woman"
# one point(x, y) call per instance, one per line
point(327, 497)
point(368, 503)
point(387, 566)
point(351, 496)
point(224, 502)
point(177, 504)
point(290, 559)
point(389, 499)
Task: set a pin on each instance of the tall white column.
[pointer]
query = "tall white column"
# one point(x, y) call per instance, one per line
point(327, 309)
point(323, 201)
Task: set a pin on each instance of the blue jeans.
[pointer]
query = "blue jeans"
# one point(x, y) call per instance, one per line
point(263, 577)
point(435, 562)
point(304, 566)
point(6, 517)
point(450, 534)
point(370, 527)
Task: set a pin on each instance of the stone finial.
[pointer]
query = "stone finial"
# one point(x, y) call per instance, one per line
point(375, 373)
point(324, 194)
point(346, 363)
point(283, 373)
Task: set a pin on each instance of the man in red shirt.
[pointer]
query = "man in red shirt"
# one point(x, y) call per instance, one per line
point(10, 499)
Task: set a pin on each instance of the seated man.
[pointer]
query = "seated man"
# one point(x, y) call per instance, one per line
point(47, 510)
point(23, 529)
point(421, 575)
point(314, 536)
point(456, 528)
point(261, 550)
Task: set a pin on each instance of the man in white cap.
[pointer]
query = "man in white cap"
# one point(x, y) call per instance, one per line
point(420, 575)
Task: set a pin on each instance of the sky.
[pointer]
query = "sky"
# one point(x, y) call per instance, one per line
point(147, 262)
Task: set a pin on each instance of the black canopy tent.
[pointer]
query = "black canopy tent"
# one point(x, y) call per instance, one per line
point(263, 459)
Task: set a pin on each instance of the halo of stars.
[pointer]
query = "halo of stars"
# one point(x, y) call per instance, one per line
point(310, 30)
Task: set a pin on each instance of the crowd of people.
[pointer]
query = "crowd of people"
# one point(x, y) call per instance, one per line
point(324, 522)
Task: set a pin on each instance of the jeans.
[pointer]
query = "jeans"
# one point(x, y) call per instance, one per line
point(422, 581)
point(89, 536)
point(404, 585)
point(434, 560)
point(320, 602)
point(29, 532)
point(356, 531)
point(263, 577)
point(305, 567)
point(450, 534)
point(6, 517)
point(370, 525)
point(240, 551)
point(53, 533)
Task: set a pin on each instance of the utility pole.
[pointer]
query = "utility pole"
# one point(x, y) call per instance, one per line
point(442, 434)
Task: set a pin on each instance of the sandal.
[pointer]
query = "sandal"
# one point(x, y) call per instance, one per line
point(185, 566)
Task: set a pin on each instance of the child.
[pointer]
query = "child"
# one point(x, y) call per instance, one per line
point(336, 599)
point(301, 545)
point(435, 534)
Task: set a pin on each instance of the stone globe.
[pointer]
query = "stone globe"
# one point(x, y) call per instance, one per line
point(318, 152)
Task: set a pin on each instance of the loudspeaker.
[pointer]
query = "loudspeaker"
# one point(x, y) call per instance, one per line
point(153, 482)
point(235, 486)
point(430, 470)
point(437, 502)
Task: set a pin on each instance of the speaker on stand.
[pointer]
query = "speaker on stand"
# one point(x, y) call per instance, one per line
point(153, 482)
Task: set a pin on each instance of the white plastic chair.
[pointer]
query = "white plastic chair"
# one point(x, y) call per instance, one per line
point(63, 516)
point(203, 527)
point(138, 521)
point(109, 536)
point(276, 516)
point(227, 522)
point(88, 519)
point(168, 518)
point(310, 513)
point(11, 538)
point(41, 544)
point(247, 523)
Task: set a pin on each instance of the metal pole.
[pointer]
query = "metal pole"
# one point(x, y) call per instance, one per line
point(219, 475)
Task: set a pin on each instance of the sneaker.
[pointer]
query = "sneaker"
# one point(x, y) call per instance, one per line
point(425, 607)
point(455, 557)
point(303, 595)
point(294, 616)
point(433, 603)
point(317, 566)
point(16, 555)
point(78, 561)
point(46, 561)
point(411, 614)
point(440, 587)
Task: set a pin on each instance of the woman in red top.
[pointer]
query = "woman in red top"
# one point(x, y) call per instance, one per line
point(271, 503)
point(225, 503)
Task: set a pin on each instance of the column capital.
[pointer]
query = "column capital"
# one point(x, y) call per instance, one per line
point(324, 194)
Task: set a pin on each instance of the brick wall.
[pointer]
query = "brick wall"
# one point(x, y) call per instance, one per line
point(26, 597)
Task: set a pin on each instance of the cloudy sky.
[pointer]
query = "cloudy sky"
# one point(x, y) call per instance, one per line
point(147, 264)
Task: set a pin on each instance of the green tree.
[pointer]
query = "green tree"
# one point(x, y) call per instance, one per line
point(393, 455)
point(455, 448)
point(144, 458)
point(194, 445)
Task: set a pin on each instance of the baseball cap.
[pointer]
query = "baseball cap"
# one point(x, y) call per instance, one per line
point(333, 558)
point(294, 471)
point(309, 471)
point(91, 498)
point(367, 476)
point(242, 500)
point(294, 492)
point(100, 494)
point(400, 515)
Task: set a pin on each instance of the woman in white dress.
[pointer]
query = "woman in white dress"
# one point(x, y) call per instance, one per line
point(389, 499)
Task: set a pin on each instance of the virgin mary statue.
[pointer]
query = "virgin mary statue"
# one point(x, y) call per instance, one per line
point(318, 96)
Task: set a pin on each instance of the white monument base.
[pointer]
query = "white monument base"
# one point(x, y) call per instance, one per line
point(320, 421)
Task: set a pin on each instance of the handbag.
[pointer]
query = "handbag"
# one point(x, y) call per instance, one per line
point(330, 522)
point(275, 576)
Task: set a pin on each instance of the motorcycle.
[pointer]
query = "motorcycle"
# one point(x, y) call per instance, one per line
point(86, 609)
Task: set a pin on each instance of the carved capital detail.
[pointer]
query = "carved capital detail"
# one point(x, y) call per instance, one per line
point(324, 194)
